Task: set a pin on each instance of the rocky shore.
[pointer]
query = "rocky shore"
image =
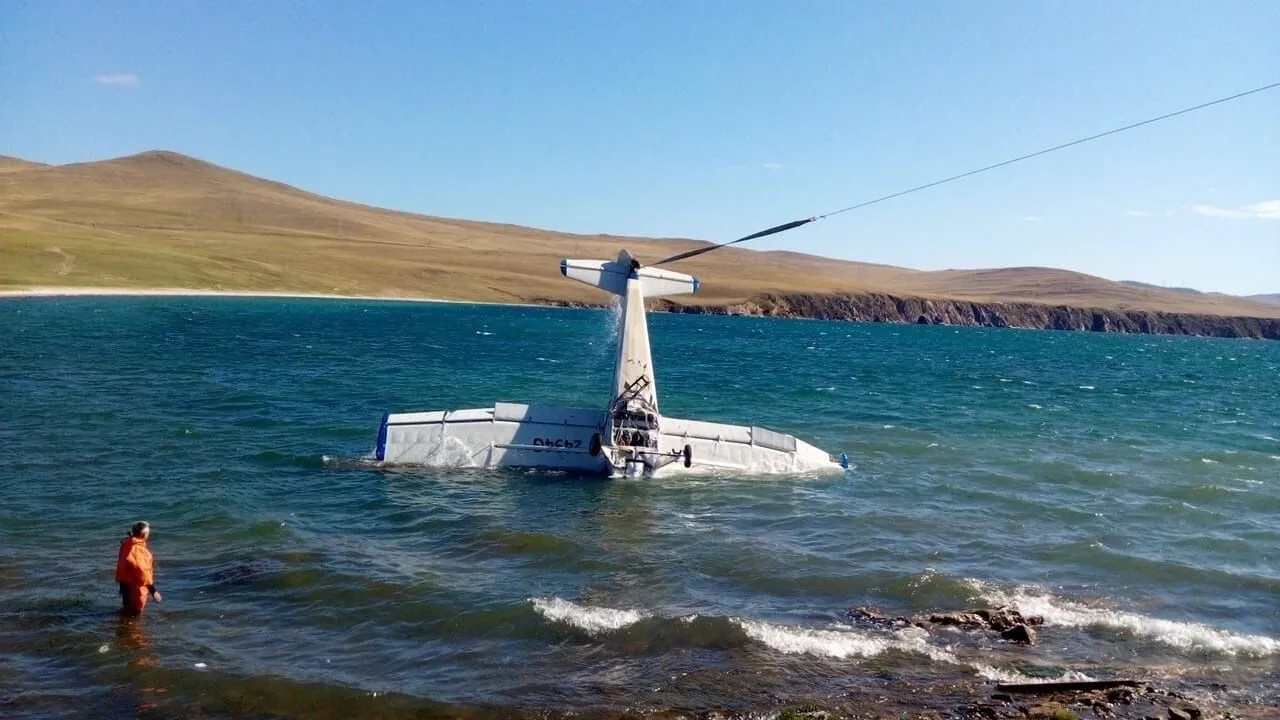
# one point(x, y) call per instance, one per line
point(1109, 700)
point(879, 307)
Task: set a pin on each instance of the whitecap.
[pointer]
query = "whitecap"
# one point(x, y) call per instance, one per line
point(1187, 636)
point(844, 642)
point(1088, 387)
point(1034, 406)
point(481, 332)
point(1209, 461)
point(594, 620)
point(547, 360)
point(841, 644)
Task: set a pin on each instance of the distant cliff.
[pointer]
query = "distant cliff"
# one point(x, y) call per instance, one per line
point(878, 307)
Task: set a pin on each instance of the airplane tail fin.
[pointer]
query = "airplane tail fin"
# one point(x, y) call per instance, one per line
point(612, 275)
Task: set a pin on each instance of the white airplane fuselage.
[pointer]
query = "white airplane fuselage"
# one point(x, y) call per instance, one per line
point(629, 437)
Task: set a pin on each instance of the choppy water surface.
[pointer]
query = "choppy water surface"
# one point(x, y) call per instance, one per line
point(1127, 488)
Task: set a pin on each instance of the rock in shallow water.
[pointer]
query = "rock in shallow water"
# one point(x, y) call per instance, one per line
point(968, 621)
point(1019, 634)
point(1011, 624)
point(873, 616)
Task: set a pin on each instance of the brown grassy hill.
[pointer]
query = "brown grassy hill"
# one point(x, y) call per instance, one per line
point(10, 164)
point(160, 219)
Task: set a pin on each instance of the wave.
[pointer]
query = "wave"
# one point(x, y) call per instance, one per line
point(845, 642)
point(842, 643)
point(594, 620)
point(1186, 636)
point(837, 642)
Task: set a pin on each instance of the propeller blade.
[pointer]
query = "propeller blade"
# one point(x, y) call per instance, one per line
point(698, 251)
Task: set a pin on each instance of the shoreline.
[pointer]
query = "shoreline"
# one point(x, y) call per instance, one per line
point(858, 307)
point(77, 291)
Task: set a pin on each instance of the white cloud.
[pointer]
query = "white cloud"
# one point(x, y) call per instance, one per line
point(1031, 218)
point(121, 80)
point(1267, 210)
point(775, 167)
point(1211, 211)
point(1137, 213)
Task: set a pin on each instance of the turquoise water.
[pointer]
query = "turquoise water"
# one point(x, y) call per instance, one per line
point(1125, 487)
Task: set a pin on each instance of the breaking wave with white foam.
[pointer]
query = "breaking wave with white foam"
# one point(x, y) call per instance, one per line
point(594, 620)
point(839, 642)
point(845, 643)
point(842, 643)
point(1187, 636)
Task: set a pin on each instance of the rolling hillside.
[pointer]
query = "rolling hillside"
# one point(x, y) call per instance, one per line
point(164, 220)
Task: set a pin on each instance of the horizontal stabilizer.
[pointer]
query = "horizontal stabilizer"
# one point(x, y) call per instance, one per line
point(612, 275)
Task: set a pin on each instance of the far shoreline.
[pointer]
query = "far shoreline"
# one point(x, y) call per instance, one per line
point(859, 308)
point(76, 291)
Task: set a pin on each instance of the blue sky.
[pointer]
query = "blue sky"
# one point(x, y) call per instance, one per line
point(705, 119)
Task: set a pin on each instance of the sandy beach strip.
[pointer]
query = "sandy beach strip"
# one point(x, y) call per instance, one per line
point(55, 291)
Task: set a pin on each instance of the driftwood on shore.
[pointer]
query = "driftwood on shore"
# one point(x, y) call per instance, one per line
point(1065, 686)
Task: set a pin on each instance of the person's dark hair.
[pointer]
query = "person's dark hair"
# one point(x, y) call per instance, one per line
point(139, 528)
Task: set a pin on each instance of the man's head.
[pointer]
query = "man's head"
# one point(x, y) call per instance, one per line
point(141, 529)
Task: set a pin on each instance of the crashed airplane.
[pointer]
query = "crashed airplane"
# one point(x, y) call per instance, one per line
point(628, 438)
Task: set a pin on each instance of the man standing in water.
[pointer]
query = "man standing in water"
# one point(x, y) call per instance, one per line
point(135, 570)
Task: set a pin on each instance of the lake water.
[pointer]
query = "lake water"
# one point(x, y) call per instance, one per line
point(1127, 488)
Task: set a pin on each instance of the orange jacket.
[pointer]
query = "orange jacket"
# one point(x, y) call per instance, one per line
point(134, 566)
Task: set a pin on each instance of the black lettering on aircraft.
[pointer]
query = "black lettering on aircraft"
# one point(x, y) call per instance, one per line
point(557, 443)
